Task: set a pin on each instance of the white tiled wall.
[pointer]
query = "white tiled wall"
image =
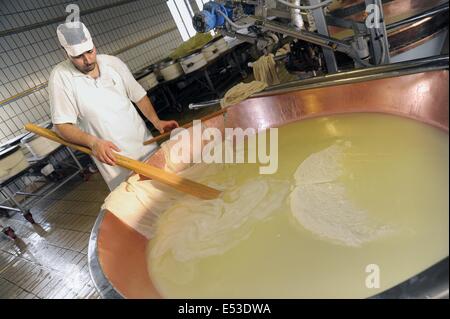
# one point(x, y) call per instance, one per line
point(27, 58)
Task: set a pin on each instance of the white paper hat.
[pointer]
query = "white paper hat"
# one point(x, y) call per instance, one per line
point(75, 38)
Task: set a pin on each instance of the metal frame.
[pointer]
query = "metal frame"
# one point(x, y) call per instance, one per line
point(319, 39)
point(203, 77)
point(378, 37)
point(322, 28)
point(379, 47)
point(12, 186)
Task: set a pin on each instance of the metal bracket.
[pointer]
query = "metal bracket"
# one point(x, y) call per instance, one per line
point(322, 28)
point(378, 34)
point(319, 39)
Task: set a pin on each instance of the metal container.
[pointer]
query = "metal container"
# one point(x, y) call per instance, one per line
point(170, 70)
point(13, 141)
point(117, 253)
point(193, 62)
point(155, 69)
point(149, 81)
point(39, 146)
point(12, 161)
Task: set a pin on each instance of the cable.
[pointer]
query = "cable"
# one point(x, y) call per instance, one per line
point(360, 61)
point(234, 25)
point(311, 7)
point(383, 48)
point(354, 55)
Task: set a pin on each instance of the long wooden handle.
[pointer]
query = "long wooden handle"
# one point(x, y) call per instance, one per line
point(179, 183)
point(187, 125)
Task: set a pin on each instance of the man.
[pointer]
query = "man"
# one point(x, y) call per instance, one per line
point(90, 100)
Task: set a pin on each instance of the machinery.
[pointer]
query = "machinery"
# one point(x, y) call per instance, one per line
point(306, 25)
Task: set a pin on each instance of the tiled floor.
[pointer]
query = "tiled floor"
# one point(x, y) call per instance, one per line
point(49, 259)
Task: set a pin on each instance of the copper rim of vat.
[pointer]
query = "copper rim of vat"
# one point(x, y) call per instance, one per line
point(415, 89)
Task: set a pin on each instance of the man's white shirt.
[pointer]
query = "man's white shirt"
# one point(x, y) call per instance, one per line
point(102, 107)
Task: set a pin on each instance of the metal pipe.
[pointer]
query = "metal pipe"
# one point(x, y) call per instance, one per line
point(322, 4)
point(10, 208)
point(322, 28)
point(303, 35)
point(442, 8)
point(376, 72)
point(200, 105)
point(322, 40)
point(296, 17)
point(234, 25)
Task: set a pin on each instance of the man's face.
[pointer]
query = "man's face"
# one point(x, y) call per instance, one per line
point(85, 62)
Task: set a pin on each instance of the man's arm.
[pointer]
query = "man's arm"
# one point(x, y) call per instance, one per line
point(101, 149)
point(137, 94)
point(147, 109)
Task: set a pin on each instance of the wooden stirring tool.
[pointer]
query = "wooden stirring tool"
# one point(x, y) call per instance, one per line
point(177, 182)
point(187, 125)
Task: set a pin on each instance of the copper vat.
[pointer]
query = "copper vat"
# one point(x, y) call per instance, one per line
point(117, 257)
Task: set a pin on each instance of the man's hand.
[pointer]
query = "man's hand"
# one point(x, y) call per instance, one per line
point(103, 151)
point(166, 126)
point(146, 107)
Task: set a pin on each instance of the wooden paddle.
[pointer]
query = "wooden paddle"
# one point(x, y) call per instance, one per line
point(189, 124)
point(179, 183)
